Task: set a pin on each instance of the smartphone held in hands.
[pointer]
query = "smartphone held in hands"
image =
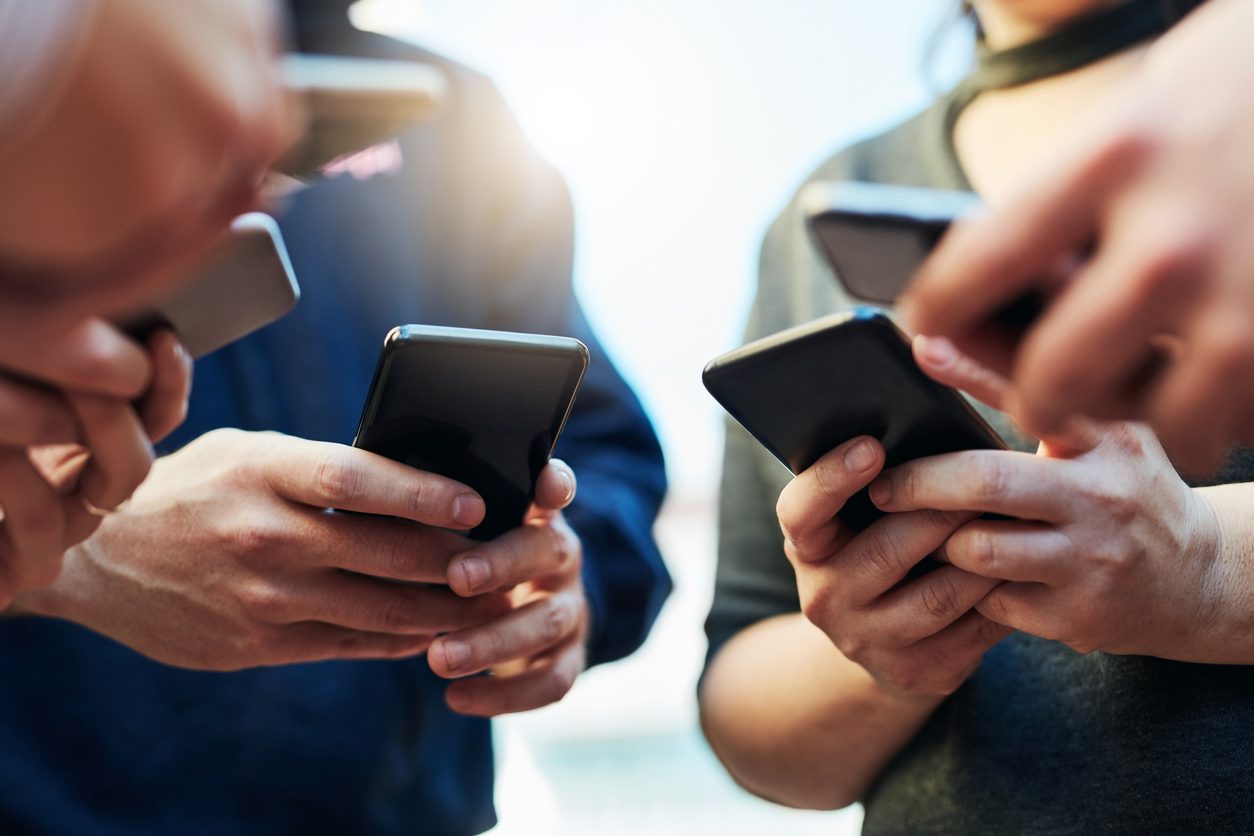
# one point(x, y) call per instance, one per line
point(484, 408)
point(807, 390)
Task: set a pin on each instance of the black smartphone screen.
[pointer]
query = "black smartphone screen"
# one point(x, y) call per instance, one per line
point(482, 407)
point(809, 389)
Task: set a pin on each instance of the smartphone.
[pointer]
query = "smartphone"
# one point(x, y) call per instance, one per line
point(247, 285)
point(355, 103)
point(806, 390)
point(482, 407)
point(875, 236)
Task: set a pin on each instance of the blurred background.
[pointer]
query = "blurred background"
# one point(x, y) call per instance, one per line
point(682, 128)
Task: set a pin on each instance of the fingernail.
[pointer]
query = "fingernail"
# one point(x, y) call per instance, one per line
point(881, 491)
point(474, 570)
point(468, 510)
point(938, 351)
point(859, 457)
point(568, 485)
point(455, 655)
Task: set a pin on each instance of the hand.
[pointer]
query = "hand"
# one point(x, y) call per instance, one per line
point(228, 557)
point(166, 119)
point(65, 459)
point(1109, 549)
point(919, 637)
point(536, 650)
point(1164, 188)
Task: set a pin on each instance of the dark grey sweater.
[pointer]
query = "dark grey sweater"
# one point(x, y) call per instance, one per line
point(1040, 739)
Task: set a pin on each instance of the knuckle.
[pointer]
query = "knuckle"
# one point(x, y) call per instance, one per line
point(857, 647)
point(264, 601)
point(336, 479)
point(905, 485)
point(992, 480)
point(995, 608)
point(882, 551)
point(1116, 505)
point(253, 538)
point(786, 514)
point(938, 599)
point(558, 551)
point(420, 498)
point(558, 621)
point(396, 556)
point(816, 607)
point(396, 616)
point(982, 552)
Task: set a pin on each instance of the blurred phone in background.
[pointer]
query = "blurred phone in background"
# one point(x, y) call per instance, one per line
point(876, 236)
point(245, 286)
point(355, 103)
point(352, 104)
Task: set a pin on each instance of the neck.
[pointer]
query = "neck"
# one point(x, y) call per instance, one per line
point(1011, 23)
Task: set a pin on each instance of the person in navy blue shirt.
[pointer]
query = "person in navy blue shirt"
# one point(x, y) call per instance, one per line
point(265, 689)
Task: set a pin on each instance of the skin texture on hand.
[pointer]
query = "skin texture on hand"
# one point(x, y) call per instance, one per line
point(920, 637)
point(1150, 206)
point(230, 556)
point(66, 459)
point(537, 650)
point(806, 710)
point(1108, 549)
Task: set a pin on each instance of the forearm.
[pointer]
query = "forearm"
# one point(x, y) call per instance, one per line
point(796, 722)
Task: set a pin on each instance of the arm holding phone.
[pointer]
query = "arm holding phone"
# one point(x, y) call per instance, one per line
point(265, 575)
point(1120, 555)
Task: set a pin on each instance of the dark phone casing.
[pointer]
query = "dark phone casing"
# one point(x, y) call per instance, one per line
point(809, 389)
point(243, 287)
point(875, 235)
point(484, 408)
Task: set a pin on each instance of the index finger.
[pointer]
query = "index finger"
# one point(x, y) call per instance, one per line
point(808, 505)
point(993, 481)
point(986, 262)
point(325, 475)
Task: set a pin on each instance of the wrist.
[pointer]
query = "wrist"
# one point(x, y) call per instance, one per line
point(56, 600)
point(1221, 627)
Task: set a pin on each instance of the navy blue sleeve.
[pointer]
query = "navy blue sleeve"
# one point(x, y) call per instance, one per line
point(616, 457)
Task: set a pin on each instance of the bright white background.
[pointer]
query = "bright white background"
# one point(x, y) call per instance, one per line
point(682, 127)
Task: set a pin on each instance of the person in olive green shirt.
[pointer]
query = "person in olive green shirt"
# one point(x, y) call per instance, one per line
point(1048, 678)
